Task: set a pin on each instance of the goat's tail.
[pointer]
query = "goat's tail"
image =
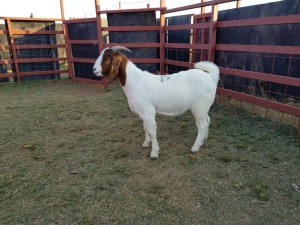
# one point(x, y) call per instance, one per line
point(209, 67)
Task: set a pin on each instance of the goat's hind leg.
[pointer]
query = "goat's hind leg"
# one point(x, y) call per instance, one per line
point(202, 122)
point(206, 130)
point(147, 141)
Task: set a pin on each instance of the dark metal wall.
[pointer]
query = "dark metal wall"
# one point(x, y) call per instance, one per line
point(135, 19)
point(178, 36)
point(36, 39)
point(275, 35)
point(4, 54)
point(83, 32)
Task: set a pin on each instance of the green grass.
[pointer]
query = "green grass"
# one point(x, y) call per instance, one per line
point(71, 154)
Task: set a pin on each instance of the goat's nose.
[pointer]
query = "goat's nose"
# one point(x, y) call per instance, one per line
point(94, 69)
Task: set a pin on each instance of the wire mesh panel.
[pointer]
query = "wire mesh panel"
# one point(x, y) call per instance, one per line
point(258, 51)
point(82, 30)
point(84, 70)
point(179, 37)
point(136, 19)
point(201, 36)
point(277, 65)
point(5, 67)
point(84, 47)
point(35, 53)
point(86, 51)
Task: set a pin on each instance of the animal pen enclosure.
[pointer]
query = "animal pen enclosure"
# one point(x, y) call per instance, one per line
point(257, 48)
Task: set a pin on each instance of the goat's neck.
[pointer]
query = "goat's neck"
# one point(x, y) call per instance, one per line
point(133, 75)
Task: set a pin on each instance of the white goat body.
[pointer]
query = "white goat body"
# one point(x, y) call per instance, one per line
point(169, 95)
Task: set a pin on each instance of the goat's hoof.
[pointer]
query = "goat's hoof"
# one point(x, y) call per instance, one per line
point(153, 158)
point(146, 145)
point(153, 155)
point(194, 150)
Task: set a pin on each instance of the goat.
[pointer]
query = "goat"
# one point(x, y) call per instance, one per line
point(170, 95)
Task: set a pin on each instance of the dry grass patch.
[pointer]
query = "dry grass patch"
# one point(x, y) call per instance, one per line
point(71, 154)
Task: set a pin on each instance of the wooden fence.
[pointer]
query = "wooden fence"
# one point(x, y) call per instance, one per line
point(23, 45)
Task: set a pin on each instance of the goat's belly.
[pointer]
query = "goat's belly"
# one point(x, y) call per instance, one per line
point(171, 110)
point(171, 113)
point(174, 106)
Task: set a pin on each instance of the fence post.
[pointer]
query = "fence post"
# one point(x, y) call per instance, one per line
point(203, 7)
point(13, 48)
point(99, 26)
point(202, 33)
point(212, 33)
point(67, 44)
point(99, 34)
point(299, 127)
point(162, 39)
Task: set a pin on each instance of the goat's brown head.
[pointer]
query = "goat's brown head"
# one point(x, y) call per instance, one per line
point(112, 64)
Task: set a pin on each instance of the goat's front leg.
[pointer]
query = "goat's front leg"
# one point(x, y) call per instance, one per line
point(150, 135)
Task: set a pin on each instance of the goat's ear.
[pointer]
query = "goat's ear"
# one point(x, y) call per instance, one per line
point(114, 68)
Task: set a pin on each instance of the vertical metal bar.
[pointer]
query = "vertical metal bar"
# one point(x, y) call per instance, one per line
point(232, 66)
point(202, 32)
point(212, 33)
point(299, 127)
point(195, 40)
point(272, 72)
point(68, 51)
point(203, 8)
point(162, 39)
point(67, 44)
point(99, 26)
point(62, 11)
point(203, 39)
point(13, 48)
point(238, 3)
point(288, 74)
point(99, 34)
point(97, 6)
